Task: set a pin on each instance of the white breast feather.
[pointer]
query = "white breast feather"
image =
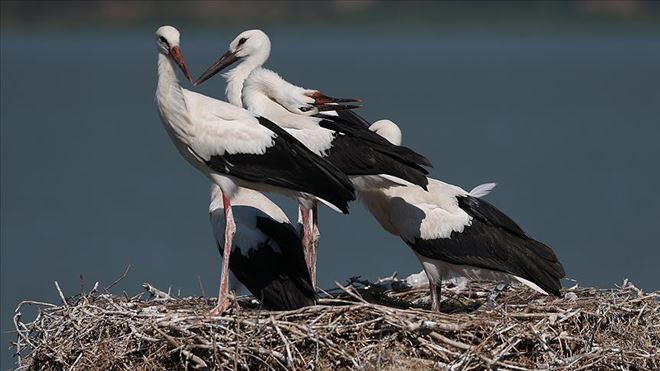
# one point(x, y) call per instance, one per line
point(219, 126)
point(263, 81)
point(414, 213)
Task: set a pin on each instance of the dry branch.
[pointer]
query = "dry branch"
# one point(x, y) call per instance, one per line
point(358, 326)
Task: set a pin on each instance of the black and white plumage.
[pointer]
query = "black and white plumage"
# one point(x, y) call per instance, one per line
point(455, 233)
point(236, 149)
point(266, 255)
point(287, 165)
point(368, 160)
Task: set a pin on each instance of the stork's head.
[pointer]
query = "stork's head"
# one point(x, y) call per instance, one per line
point(251, 47)
point(388, 130)
point(251, 44)
point(167, 42)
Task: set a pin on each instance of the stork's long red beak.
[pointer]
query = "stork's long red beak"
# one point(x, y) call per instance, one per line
point(336, 107)
point(325, 103)
point(176, 55)
point(225, 61)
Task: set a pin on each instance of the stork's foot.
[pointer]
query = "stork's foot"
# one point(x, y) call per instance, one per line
point(219, 309)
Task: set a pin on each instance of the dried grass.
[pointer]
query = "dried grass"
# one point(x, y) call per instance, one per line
point(361, 326)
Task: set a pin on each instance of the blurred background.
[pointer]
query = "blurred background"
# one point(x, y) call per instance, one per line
point(557, 102)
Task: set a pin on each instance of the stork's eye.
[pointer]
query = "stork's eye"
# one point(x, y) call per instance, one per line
point(162, 39)
point(242, 41)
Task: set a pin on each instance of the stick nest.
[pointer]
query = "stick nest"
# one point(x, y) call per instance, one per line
point(358, 326)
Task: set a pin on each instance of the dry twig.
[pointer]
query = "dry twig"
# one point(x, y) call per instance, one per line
point(353, 327)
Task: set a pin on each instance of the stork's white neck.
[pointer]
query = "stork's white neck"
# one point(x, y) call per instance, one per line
point(266, 94)
point(237, 75)
point(167, 73)
point(170, 100)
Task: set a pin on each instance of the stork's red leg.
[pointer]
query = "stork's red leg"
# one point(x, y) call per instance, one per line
point(435, 295)
point(230, 230)
point(308, 243)
point(315, 239)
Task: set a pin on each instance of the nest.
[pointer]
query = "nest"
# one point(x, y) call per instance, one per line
point(360, 325)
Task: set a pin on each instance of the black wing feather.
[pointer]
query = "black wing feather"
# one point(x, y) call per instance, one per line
point(288, 164)
point(359, 131)
point(364, 149)
point(353, 118)
point(354, 156)
point(494, 241)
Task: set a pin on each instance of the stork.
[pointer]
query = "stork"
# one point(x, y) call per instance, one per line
point(368, 160)
point(456, 233)
point(267, 255)
point(235, 148)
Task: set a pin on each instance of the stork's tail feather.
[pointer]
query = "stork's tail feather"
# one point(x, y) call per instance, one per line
point(547, 271)
point(482, 189)
point(287, 293)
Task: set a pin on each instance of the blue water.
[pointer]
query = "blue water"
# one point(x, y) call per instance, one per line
point(567, 122)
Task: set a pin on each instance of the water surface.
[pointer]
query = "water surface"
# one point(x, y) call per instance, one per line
point(566, 122)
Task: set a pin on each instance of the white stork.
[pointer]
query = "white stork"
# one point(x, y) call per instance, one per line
point(368, 160)
point(236, 149)
point(267, 255)
point(455, 233)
